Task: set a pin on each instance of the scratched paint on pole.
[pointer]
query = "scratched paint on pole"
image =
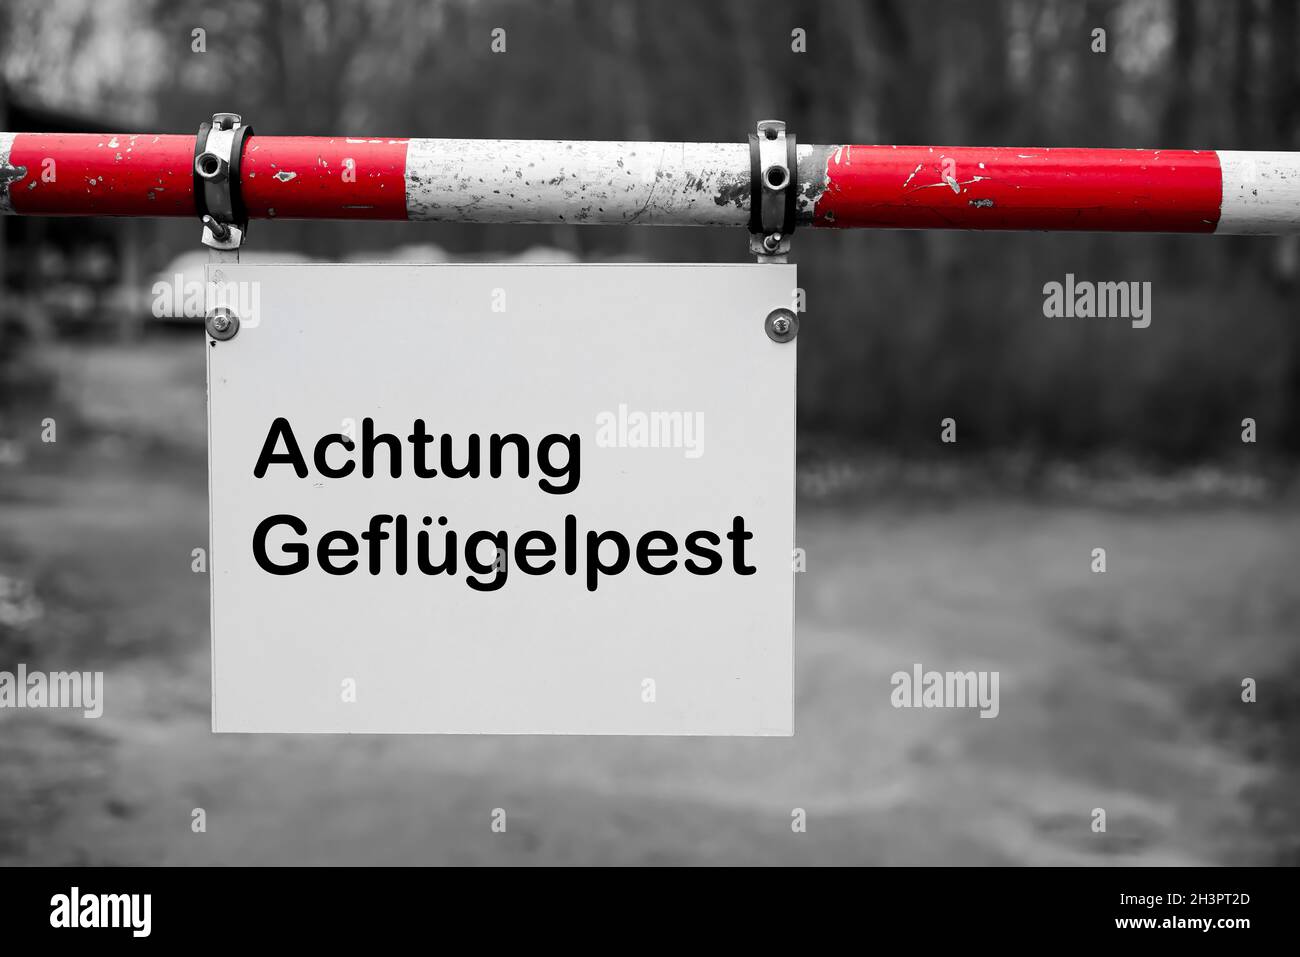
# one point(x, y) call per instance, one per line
point(510, 499)
point(976, 187)
point(100, 174)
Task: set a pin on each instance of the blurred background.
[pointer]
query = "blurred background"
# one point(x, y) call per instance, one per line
point(1119, 691)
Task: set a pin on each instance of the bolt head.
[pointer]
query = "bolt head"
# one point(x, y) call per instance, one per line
point(781, 325)
point(222, 324)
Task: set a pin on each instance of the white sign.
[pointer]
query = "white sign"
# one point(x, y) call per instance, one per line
point(502, 498)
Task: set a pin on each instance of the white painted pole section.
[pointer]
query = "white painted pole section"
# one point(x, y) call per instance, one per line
point(562, 181)
point(1261, 193)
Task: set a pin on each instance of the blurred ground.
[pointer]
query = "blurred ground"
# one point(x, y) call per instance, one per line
point(1118, 691)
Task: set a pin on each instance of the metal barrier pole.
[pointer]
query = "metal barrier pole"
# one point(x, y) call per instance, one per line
point(663, 184)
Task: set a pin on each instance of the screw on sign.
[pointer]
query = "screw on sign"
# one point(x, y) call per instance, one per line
point(782, 325)
point(222, 324)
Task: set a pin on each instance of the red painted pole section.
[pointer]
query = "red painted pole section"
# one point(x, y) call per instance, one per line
point(102, 174)
point(312, 177)
point(932, 187)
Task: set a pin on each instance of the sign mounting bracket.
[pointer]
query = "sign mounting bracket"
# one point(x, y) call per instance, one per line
point(773, 165)
point(217, 151)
